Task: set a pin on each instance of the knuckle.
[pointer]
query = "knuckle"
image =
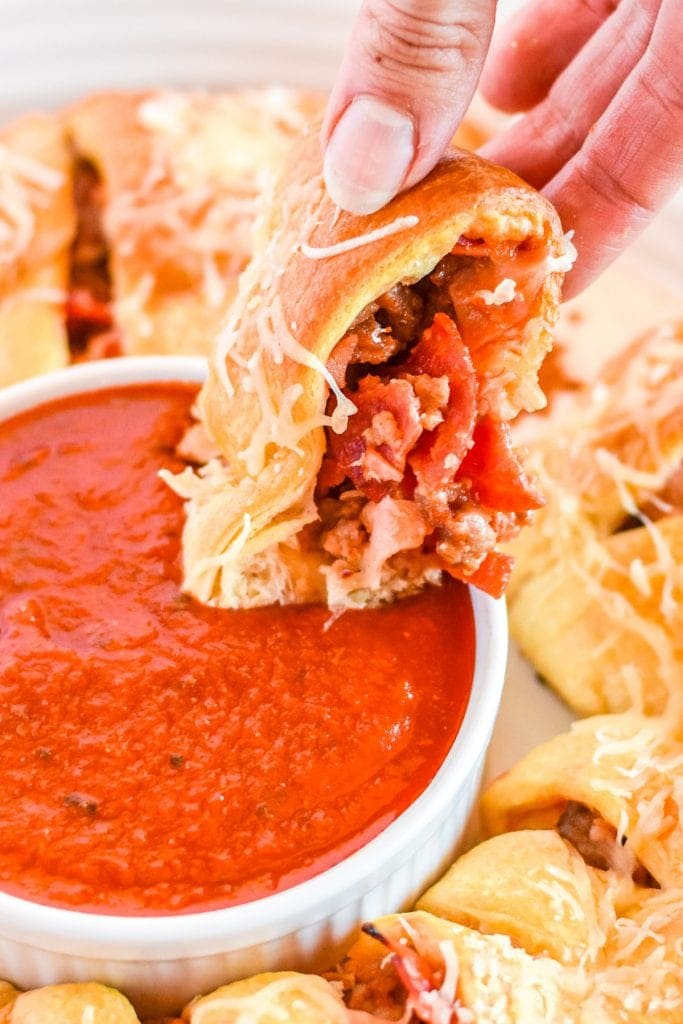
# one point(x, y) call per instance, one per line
point(663, 83)
point(426, 37)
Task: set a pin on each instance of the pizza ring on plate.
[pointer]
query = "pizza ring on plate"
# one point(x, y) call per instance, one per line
point(596, 601)
point(168, 186)
point(612, 786)
point(421, 967)
point(37, 220)
point(536, 888)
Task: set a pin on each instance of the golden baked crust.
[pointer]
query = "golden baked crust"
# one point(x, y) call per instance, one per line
point(596, 601)
point(182, 173)
point(508, 885)
point(37, 223)
point(539, 930)
point(84, 1003)
point(315, 271)
point(270, 998)
point(625, 767)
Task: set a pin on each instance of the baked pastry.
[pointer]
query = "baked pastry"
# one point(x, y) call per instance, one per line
point(596, 601)
point(360, 395)
point(421, 967)
point(37, 221)
point(515, 883)
point(611, 786)
point(126, 220)
point(561, 925)
point(285, 996)
point(168, 185)
point(84, 1003)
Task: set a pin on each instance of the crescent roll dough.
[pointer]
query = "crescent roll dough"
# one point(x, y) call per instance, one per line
point(271, 998)
point(596, 601)
point(37, 223)
point(173, 178)
point(359, 394)
point(85, 1003)
point(530, 885)
point(610, 776)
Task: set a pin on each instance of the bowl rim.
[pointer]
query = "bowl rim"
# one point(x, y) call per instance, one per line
point(166, 936)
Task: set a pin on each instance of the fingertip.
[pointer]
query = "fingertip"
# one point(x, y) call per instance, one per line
point(368, 155)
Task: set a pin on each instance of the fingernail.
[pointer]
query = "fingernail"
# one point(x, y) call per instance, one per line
point(369, 155)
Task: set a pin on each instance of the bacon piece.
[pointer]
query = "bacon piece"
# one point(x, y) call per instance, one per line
point(372, 450)
point(413, 970)
point(496, 476)
point(331, 475)
point(441, 353)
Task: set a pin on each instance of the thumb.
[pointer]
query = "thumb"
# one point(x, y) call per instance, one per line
point(406, 80)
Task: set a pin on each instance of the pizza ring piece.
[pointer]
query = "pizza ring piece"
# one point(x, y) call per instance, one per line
point(287, 996)
point(83, 1003)
point(596, 600)
point(532, 886)
point(168, 189)
point(612, 786)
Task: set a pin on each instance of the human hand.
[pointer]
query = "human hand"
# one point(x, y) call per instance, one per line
point(603, 136)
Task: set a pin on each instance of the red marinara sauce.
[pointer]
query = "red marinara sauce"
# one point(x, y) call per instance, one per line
point(159, 756)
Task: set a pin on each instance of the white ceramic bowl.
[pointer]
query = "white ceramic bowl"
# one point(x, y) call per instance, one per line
point(161, 962)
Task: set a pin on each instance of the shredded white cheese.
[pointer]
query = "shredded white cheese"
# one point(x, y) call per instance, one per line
point(503, 293)
point(564, 263)
point(25, 186)
point(324, 252)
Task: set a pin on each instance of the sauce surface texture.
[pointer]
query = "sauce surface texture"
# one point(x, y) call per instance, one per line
point(158, 756)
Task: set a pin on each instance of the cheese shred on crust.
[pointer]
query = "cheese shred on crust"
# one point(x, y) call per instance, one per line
point(25, 184)
point(597, 597)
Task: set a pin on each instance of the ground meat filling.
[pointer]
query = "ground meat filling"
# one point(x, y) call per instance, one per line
point(411, 363)
point(89, 320)
point(596, 840)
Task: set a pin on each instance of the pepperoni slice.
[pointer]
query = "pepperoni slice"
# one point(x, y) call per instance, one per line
point(441, 352)
point(372, 450)
point(496, 476)
point(492, 576)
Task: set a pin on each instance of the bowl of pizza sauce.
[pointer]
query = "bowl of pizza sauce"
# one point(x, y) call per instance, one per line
point(192, 794)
